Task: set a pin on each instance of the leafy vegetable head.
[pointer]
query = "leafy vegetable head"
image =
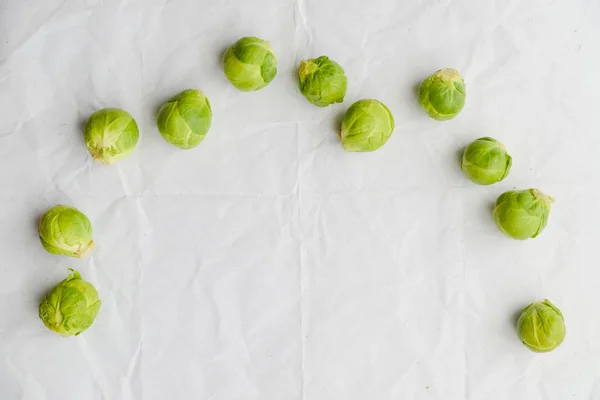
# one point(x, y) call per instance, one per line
point(322, 81)
point(367, 125)
point(250, 64)
point(485, 161)
point(66, 230)
point(522, 214)
point(442, 95)
point(185, 119)
point(541, 326)
point(110, 135)
point(71, 306)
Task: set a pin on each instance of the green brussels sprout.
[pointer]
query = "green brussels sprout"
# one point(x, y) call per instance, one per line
point(486, 161)
point(185, 119)
point(250, 64)
point(71, 306)
point(367, 125)
point(110, 135)
point(522, 214)
point(442, 95)
point(322, 81)
point(66, 230)
point(541, 326)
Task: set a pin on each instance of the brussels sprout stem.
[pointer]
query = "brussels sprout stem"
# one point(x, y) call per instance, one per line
point(542, 197)
point(97, 157)
point(85, 250)
point(306, 67)
point(449, 73)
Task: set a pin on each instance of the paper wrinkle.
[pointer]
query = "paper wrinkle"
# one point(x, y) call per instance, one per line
point(300, 14)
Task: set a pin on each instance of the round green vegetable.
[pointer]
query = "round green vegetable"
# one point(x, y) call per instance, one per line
point(541, 326)
point(367, 125)
point(522, 214)
point(250, 64)
point(322, 81)
point(486, 161)
point(110, 135)
point(185, 119)
point(71, 306)
point(442, 95)
point(66, 230)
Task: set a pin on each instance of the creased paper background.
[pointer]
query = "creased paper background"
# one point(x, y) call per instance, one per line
point(268, 263)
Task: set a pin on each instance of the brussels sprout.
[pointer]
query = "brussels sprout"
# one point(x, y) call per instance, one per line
point(65, 230)
point(486, 161)
point(541, 326)
point(185, 119)
point(71, 306)
point(322, 81)
point(522, 214)
point(110, 135)
point(250, 64)
point(442, 95)
point(367, 125)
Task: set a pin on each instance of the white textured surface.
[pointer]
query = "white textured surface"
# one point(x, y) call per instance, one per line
point(267, 263)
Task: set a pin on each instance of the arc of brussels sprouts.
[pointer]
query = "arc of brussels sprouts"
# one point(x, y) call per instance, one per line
point(185, 119)
point(522, 214)
point(71, 306)
point(541, 326)
point(250, 64)
point(67, 231)
point(485, 161)
point(110, 135)
point(322, 81)
point(442, 95)
point(367, 125)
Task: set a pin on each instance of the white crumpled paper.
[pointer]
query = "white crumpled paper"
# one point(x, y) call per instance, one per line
point(267, 263)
